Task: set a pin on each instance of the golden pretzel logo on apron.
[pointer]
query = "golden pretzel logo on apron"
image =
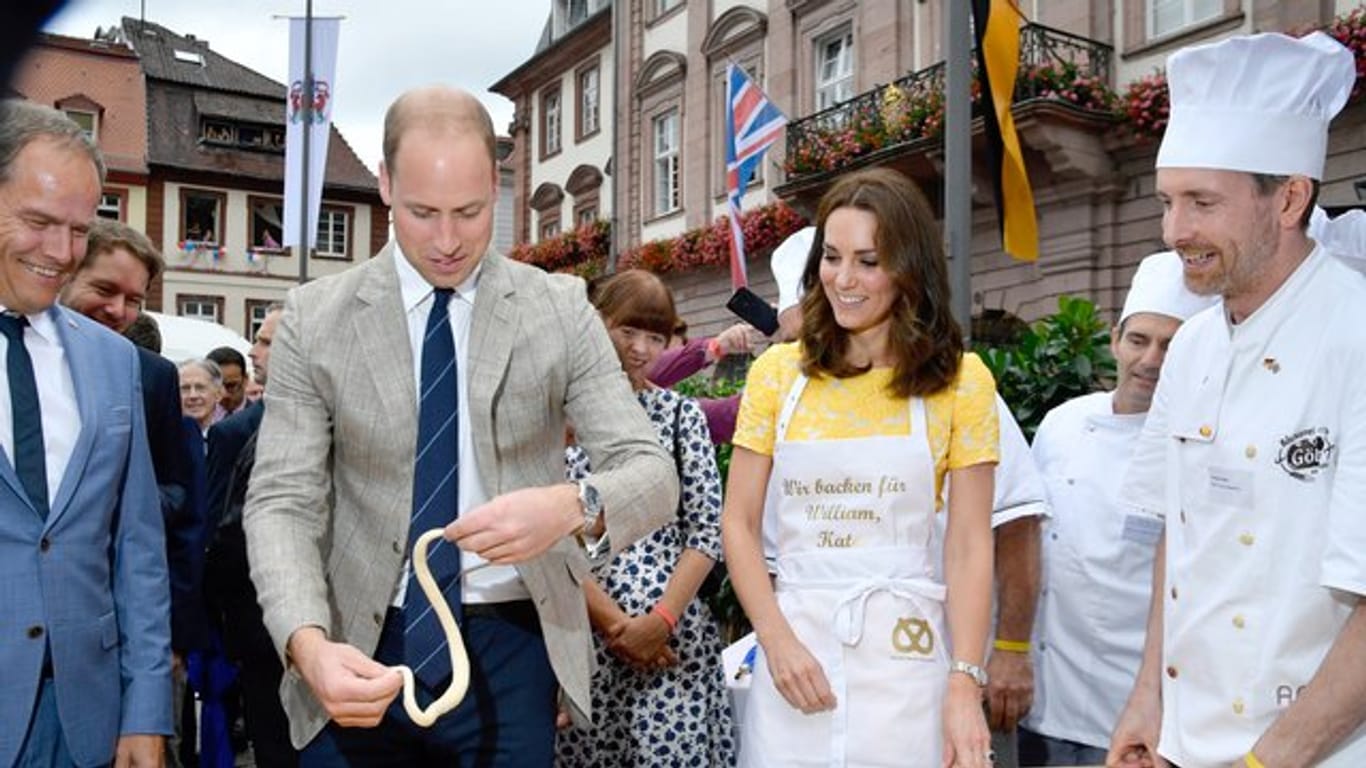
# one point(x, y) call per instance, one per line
point(913, 636)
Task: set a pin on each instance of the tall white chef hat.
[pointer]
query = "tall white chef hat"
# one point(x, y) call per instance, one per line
point(1256, 103)
point(1160, 287)
point(788, 262)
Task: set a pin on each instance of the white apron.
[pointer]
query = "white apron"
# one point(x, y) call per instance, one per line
point(855, 579)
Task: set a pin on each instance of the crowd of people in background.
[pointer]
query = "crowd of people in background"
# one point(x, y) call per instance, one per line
point(1170, 575)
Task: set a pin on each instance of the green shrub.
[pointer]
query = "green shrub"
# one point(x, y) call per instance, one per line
point(1057, 358)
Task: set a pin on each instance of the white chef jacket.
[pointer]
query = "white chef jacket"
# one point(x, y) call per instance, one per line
point(1344, 236)
point(1255, 453)
point(1098, 565)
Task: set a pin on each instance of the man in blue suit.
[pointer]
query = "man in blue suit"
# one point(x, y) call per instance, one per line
point(85, 644)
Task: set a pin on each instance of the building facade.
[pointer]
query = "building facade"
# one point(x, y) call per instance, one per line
point(215, 154)
point(825, 64)
point(195, 148)
point(98, 84)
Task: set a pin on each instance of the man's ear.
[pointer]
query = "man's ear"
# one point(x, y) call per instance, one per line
point(1298, 194)
point(384, 184)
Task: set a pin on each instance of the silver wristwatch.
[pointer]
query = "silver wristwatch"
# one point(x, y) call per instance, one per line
point(973, 671)
point(595, 548)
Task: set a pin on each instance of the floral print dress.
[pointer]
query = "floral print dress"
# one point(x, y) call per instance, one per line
point(678, 716)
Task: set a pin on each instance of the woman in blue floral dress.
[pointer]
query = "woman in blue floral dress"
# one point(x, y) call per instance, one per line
point(659, 698)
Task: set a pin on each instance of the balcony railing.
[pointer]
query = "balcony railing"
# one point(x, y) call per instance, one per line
point(1054, 66)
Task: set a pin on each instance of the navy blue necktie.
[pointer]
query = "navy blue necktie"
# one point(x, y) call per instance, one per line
point(30, 458)
point(435, 496)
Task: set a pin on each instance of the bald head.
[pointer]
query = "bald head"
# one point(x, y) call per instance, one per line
point(436, 110)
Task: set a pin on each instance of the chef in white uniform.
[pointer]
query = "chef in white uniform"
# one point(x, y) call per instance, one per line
point(1254, 451)
point(1098, 551)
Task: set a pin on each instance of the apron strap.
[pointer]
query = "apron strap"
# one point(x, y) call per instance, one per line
point(789, 406)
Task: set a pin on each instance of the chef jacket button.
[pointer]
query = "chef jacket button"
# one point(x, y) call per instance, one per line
point(1250, 451)
point(34, 632)
point(1183, 516)
point(378, 618)
point(1237, 706)
point(1247, 539)
point(1205, 430)
point(1054, 535)
point(1090, 427)
point(1173, 592)
point(1171, 672)
point(1239, 621)
point(398, 548)
point(1043, 646)
point(1071, 481)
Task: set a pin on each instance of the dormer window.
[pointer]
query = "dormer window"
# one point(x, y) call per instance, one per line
point(88, 121)
point(189, 57)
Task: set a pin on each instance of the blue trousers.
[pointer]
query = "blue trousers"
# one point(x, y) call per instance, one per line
point(507, 719)
point(44, 746)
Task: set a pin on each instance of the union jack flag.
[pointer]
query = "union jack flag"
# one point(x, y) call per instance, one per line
point(752, 124)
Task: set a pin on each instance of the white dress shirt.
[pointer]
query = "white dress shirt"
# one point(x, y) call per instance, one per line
point(496, 583)
point(56, 397)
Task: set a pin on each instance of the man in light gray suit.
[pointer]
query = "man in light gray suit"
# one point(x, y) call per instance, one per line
point(344, 477)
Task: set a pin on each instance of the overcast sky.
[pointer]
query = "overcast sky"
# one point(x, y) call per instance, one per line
point(386, 46)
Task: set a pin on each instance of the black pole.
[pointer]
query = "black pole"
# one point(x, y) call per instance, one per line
point(307, 117)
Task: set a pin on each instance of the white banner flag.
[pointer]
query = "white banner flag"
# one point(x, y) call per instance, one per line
point(320, 120)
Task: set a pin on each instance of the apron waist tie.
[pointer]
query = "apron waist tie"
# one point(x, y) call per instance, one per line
point(852, 603)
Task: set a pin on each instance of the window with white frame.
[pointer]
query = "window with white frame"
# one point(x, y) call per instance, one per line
point(1167, 16)
point(589, 97)
point(334, 226)
point(110, 207)
point(834, 68)
point(201, 307)
point(88, 122)
point(257, 309)
point(550, 122)
point(666, 167)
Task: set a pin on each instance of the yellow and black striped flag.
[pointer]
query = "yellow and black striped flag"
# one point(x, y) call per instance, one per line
point(996, 27)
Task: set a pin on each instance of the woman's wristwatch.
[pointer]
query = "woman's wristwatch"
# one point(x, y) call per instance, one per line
point(973, 671)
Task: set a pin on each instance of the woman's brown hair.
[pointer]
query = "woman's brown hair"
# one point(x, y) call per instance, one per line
point(636, 298)
point(925, 339)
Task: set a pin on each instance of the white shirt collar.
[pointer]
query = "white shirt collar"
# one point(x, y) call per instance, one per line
point(414, 288)
point(42, 325)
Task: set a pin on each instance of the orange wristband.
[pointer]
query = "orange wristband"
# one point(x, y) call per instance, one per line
point(663, 613)
point(714, 348)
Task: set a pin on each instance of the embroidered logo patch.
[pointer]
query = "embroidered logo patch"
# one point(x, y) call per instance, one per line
point(913, 636)
point(1304, 454)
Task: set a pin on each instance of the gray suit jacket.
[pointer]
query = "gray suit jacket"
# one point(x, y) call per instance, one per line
point(327, 512)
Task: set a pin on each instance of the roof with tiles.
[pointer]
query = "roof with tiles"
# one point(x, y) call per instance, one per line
point(187, 81)
point(92, 76)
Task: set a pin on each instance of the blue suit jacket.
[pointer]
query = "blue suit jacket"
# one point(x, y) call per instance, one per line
point(90, 581)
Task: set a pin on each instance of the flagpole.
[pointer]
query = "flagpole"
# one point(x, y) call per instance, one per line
point(307, 117)
point(958, 162)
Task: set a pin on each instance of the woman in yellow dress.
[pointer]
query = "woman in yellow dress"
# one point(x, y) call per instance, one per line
point(870, 655)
